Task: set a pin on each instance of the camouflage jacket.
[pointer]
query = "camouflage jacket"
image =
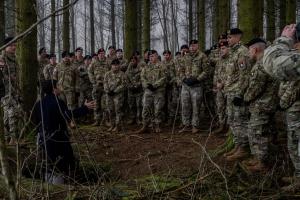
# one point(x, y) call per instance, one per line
point(115, 82)
point(281, 61)
point(9, 75)
point(179, 70)
point(134, 76)
point(43, 62)
point(110, 59)
point(96, 72)
point(196, 65)
point(64, 73)
point(289, 93)
point(123, 64)
point(154, 74)
point(76, 65)
point(170, 71)
point(220, 70)
point(262, 90)
point(237, 70)
point(142, 64)
point(48, 71)
point(84, 82)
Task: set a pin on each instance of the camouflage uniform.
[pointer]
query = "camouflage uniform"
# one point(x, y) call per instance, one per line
point(123, 64)
point(289, 94)
point(172, 92)
point(43, 62)
point(237, 77)
point(96, 72)
point(48, 71)
point(135, 92)
point(109, 59)
point(280, 61)
point(153, 101)
point(11, 102)
point(220, 76)
point(115, 82)
point(84, 84)
point(65, 76)
point(76, 65)
point(262, 95)
point(195, 65)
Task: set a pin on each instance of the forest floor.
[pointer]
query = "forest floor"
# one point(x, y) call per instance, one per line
point(169, 166)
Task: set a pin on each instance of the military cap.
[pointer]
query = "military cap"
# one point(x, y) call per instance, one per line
point(167, 52)
point(177, 53)
point(185, 46)
point(193, 42)
point(115, 62)
point(101, 50)
point(7, 40)
point(119, 50)
point(255, 40)
point(65, 54)
point(235, 31)
point(78, 49)
point(222, 44)
point(52, 55)
point(41, 50)
point(152, 52)
point(87, 57)
point(111, 47)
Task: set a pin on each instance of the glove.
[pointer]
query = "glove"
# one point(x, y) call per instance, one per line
point(136, 89)
point(111, 93)
point(151, 87)
point(191, 81)
point(238, 101)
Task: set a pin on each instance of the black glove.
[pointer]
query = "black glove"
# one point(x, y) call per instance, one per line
point(191, 81)
point(238, 101)
point(279, 108)
point(151, 87)
point(111, 93)
point(136, 89)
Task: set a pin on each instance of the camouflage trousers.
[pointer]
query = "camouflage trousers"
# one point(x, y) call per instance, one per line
point(172, 96)
point(293, 131)
point(100, 98)
point(69, 98)
point(135, 105)
point(260, 134)
point(84, 94)
point(209, 101)
point(13, 116)
point(191, 100)
point(153, 103)
point(115, 105)
point(238, 118)
point(221, 107)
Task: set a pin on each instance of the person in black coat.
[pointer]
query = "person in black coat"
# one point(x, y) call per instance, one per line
point(51, 116)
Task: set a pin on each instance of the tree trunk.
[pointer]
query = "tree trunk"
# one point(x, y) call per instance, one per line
point(290, 11)
point(92, 23)
point(250, 22)
point(41, 27)
point(73, 28)
point(146, 24)
point(113, 21)
point(222, 17)
point(58, 33)
point(270, 14)
point(130, 28)
point(190, 19)
point(66, 27)
point(11, 16)
point(201, 23)
point(139, 24)
point(2, 22)
point(282, 14)
point(26, 16)
point(52, 37)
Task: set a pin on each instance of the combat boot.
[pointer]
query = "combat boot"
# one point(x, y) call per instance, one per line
point(293, 187)
point(157, 129)
point(195, 130)
point(110, 128)
point(258, 167)
point(231, 152)
point(240, 153)
point(130, 122)
point(144, 129)
point(96, 123)
point(185, 129)
point(116, 129)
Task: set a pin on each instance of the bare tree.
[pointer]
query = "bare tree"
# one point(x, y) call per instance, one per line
point(52, 40)
point(66, 27)
point(2, 22)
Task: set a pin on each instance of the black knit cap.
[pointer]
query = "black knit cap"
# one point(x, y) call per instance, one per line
point(87, 57)
point(152, 52)
point(193, 42)
point(167, 52)
point(78, 49)
point(235, 31)
point(52, 55)
point(101, 50)
point(185, 46)
point(115, 62)
point(65, 54)
point(255, 40)
point(119, 50)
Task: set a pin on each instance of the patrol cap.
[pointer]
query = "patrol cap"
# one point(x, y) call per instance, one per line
point(119, 50)
point(255, 40)
point(101, 50)
point(177, 53)
point(193, 42)
point(111, 47)
point(52, 55)
point(222, 44)
point(235, 31)
point(185, 46)
point(65, 54)
point(167, 52)
point(78, 49)
point(152, 52)
point(7, 40)
point(115, 62)
point(87, 57)
point(41, 50)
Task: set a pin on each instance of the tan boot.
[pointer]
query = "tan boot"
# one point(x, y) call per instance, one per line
point(258, 167)
point(130, 122)
point(116, 129)
point(110, 129)
point(195, 130)
point(293, 187)
point(240, 153)
point(231, 152)
point(144, 129)
point(185, 129)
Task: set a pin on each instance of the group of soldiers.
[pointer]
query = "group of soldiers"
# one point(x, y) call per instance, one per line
point(248, 83)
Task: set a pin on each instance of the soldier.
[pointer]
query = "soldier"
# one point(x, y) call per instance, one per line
point(179, 65)
point(261, 95)
point(135, 91)
point(114, 86)
point(195, 71)
point(10, 92)
point(153, 78)
point(123, 61)
point(111, 55)
point(48, 70)
point(219, 80)
point(64, 73)
point(72, 57)
point(76, 64)
point(143, 63)
point(172, 92)
point(237, 72)
point(85, 86)
point(280, 61)
point(43, 61)
point(96, 72)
